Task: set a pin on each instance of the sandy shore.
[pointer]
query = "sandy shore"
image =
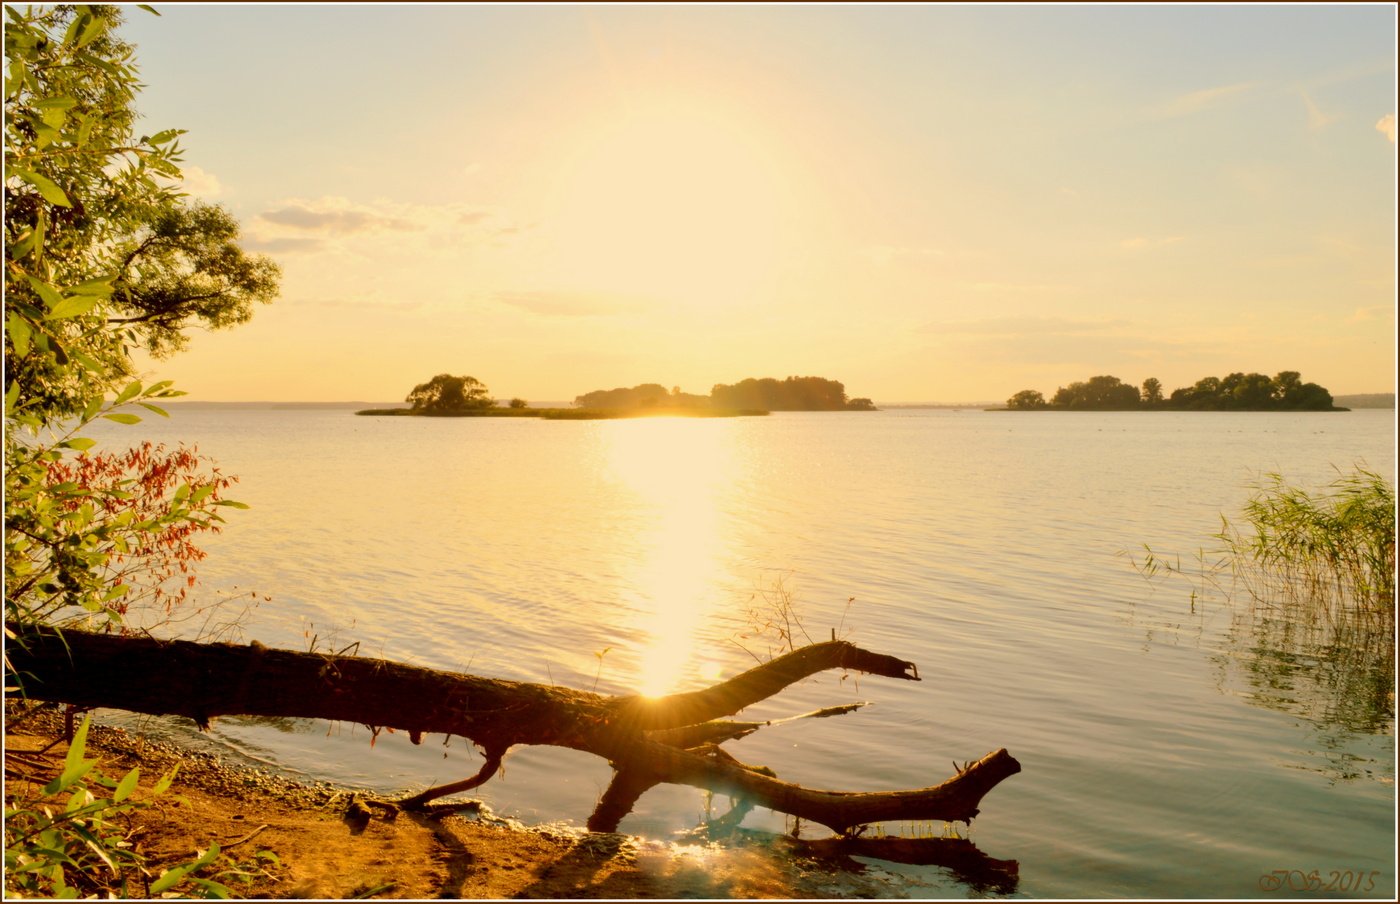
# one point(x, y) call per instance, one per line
point(330, 844)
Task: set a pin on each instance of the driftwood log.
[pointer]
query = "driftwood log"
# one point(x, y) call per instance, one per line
point(648, 741)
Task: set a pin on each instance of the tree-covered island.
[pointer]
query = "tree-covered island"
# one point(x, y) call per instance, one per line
point(446, 395)
point(1234, 392)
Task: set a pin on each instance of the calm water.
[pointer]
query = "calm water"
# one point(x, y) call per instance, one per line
point(1160, 759)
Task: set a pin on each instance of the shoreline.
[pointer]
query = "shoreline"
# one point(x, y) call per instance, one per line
point(328, 841)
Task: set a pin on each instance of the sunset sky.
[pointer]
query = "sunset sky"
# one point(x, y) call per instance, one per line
point(928, 203)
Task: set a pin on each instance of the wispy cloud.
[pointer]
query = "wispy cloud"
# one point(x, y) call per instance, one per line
point(1386, 126)
point(1006, 287)
point(336, 216)
point(327, 223)
point(1017, 326)
point(885, 255)
point(1138, 242)
point(1196, 101)
point(568, 304)
point(1373, 313)
point(1317, 119)
point(286, 243)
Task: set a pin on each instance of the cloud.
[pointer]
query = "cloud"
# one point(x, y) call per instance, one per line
point(1196, 101)
point(200, 182)
point(884, 255)
point(336, 216)
point(568, 304)
point(1020, 326)
point(283, 244)
point(1138, 242)
point(1004, 287)
point(1316, 118)
point(1373, 313)
point(337, 223)
point(1386, 126)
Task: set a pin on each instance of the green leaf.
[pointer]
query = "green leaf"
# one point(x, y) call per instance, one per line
point(55, 103)
point(149, 9)
point(16, 77)
point(122, 417)
point(201, 494)
point(48, 293)
point(20, 250)
point(47, 187)
point(101, 286)
point(91, 410)
point(19, 334)
point(233, 504)
point(75, 28)
point(72, 306)
point(92, 31)
point(132, 390)
point(164, 784)
point(169, 879)
point(81, 443)
point(69, 775)
point(165, 136)
point(79, 743)
point(127, 785)
point(10, 395)
point(155, 408)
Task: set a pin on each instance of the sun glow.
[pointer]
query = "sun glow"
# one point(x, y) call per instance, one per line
point(671, 199)
point(677, 468)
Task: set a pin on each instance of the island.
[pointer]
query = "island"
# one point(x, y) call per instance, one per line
point(446, 395)
point(1234, 392)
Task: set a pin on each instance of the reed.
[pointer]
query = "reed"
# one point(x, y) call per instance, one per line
point(1333, 549)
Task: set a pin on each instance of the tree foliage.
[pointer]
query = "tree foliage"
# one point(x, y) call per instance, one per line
point(645, 395)
point(1102, 393)
point(445, 394)
point(791, 394)
point(1234, 392)
point(102, 256)
point(1027, 400)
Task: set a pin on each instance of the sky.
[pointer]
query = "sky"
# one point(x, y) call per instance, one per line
point(927, 203)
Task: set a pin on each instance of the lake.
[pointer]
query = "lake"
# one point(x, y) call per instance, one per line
point(1164, 752)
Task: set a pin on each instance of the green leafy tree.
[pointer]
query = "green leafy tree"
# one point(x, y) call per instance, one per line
point(1102, 393)
point(519, 403)
point(1152, 393)
point(185, 266)
point(445, 394)
point(1027, 400)
point(102, 252)
point(101, 257)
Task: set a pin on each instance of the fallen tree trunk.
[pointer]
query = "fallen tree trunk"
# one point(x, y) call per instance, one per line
point(672, 739)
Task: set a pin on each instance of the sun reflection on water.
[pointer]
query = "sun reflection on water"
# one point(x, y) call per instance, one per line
point(678, 469)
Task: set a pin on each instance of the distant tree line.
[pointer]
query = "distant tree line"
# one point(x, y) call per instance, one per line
point(767, 394)
point(1235, 392)
point(647, 395)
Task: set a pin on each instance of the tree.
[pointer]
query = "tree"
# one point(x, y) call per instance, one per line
point(1152, 393)
point(82, 192)
point(519, 403)
point(1102, 393)
point(102, 254)
point(445, 394)
point(185, 265)
point(1027, 400)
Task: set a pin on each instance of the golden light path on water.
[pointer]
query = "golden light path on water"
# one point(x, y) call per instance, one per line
point(678, 471)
